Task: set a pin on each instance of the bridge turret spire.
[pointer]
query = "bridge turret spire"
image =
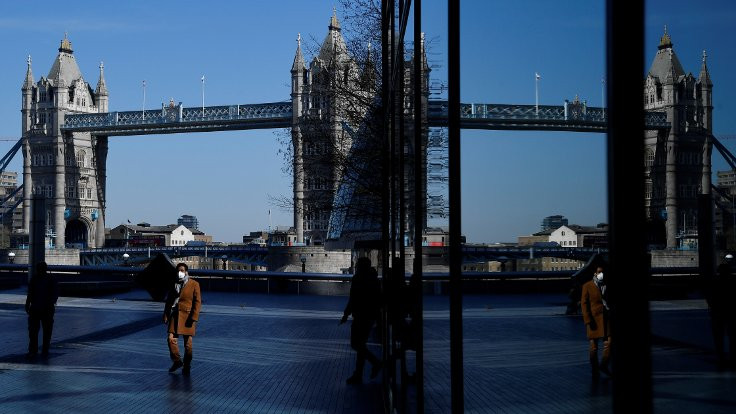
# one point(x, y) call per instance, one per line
point(333, 50)
point(334, 23)
point(66, 45)
point(369, 69)
point(298, 57)
point(64, 71)
point(665, 41)
point(28, 82)
point(704, 77)
point(101, 89)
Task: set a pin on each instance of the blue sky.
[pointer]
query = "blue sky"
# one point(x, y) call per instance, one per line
point(511, 180)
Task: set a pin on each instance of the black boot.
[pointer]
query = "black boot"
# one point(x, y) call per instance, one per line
point(594, 366)
point(176, 365)
point(355, 379)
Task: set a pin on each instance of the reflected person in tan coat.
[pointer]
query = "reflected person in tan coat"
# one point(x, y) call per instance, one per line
point(595, 315)
point(181, 314)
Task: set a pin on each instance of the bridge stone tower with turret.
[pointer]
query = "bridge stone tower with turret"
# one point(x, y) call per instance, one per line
point(67, 169)
point(678, 161)
point(326, 102)
point(336, 137)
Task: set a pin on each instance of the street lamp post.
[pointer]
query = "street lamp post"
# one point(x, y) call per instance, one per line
point(11, 257)
point(126, 256)
point(224, 262)
point(304, 263)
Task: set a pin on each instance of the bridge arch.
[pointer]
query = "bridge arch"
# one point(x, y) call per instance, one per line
point(77, 233)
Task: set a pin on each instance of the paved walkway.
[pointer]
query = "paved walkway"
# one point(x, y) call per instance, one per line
point(287, 354)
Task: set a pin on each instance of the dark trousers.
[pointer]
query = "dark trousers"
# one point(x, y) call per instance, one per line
point(359, 333)
point(174, 348)
point(722, 324)
point(35, 321)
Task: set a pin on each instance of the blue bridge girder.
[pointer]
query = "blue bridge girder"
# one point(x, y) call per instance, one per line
point(253, 255)
point(279, 115)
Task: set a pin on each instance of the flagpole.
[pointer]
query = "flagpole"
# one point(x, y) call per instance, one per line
point(144, 100)
point(202, 96)
point(603, 95)
point(536, 92)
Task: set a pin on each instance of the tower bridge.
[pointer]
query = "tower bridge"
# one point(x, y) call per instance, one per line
point(66, 126)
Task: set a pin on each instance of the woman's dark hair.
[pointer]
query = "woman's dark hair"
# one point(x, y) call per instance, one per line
point(186, 268)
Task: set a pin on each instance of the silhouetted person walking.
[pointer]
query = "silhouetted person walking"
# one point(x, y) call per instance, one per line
point(43, 292)
point(364, 305)
point(181, 313)
point(595, 315)
point(723, 312)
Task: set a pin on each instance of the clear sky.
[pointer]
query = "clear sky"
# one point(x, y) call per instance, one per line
point(511, 180)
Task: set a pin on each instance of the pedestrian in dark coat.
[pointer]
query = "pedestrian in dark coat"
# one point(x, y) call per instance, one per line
point(722, 309)
point(43, 292)
point(364, 305)
point(595, 315)
point(181, 314)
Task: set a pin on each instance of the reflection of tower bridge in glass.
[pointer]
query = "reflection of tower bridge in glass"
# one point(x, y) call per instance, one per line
point(66, 126)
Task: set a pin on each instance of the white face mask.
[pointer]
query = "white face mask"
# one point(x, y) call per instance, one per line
point(599, 276)
point(182, 275)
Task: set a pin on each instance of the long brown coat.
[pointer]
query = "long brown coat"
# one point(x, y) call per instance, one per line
point(591, 303)
point(190, 301)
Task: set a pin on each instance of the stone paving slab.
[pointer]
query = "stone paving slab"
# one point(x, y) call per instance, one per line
point(279, 360)
point(286, 354)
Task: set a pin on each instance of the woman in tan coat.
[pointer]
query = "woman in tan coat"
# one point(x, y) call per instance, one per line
point(181, 314)
point(595, 316)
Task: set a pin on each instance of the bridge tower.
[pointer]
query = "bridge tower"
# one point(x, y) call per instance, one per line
point(336, 137)
point(678, 161)
point(325, 98)
point(68, 169)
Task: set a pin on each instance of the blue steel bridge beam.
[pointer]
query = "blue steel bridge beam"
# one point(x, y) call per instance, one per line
point(10, 154)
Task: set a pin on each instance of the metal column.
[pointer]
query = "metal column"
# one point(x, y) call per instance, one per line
point(36, 234)
point(629, 273)
point(386, 16)
point(456, 310)
point(418, 203)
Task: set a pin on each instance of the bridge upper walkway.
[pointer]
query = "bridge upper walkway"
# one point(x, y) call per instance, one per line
point(175, 119)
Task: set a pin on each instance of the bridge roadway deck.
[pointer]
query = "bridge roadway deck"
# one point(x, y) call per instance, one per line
point(286, 354)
